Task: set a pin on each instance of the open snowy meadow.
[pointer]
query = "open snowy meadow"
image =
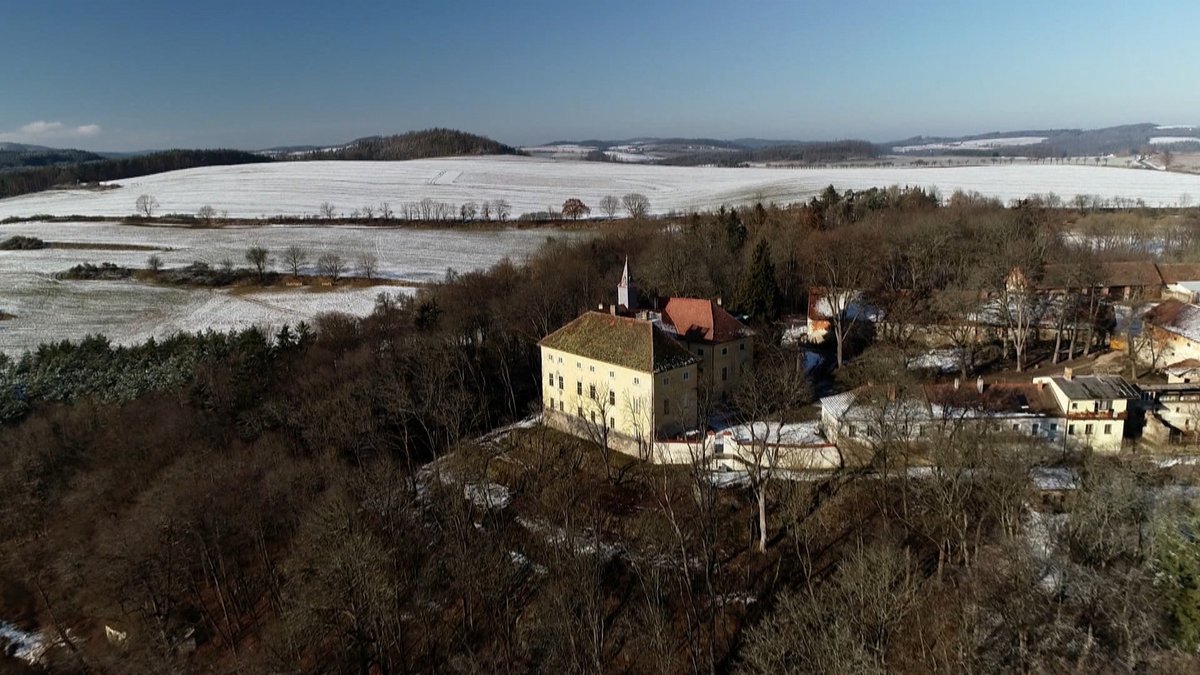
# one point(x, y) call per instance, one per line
point(533, 184)
point(129, 311)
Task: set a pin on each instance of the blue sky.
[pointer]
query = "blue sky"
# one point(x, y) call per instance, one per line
point(136, 75)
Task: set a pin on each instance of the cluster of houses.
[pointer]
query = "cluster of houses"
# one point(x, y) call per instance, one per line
point(634, 378)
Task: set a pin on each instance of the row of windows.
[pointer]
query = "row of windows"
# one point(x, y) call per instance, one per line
point(612, 421)
point(724, 350)
point(1035, 429)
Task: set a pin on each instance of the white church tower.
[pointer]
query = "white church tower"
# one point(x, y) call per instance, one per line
point(627, 293)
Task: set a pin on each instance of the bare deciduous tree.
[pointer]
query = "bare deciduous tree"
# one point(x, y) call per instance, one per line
point(331, 265)
point(610, 205)
point(467, 211)
point(146, 205)
point(154, 262)
point(207, 213)
point(294, 256)
point(327, 210)
point(636, 205)
point(502, 209)
point(776, 386)
point(259, 258)
point(368, 264)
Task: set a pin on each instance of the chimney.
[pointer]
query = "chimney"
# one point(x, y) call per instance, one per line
point(956, 384)
point(1068, 373)
point(979, 384)
point(601, 307)
point(612, 309)
point(720, 302)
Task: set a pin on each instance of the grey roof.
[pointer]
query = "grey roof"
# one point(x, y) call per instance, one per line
point(1087, 387)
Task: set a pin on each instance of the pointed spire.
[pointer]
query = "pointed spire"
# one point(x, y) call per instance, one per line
point(627, 295)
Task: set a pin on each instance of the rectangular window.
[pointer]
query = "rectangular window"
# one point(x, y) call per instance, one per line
point(1087, 430)
point(1070, 429)
point(637, 380)
point(612, 422)
point(1016, 427)
point(1107, 429)
point(591, 369)
point(700, 351)
point(560, 382)
point(686, 376)
point(592, 392)
point(1054, 428)
point(724, 351)
point(579, 365)
point(612, 398)
point(1036, 428)
point(612, 373)
point(593, 417)
point(742, 347)
point(551, 379)
point(666, 379)
point(561, 406)
point(579, 389)
point(580, 409)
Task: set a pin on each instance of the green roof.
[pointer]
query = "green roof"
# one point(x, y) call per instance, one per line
point(619, 340)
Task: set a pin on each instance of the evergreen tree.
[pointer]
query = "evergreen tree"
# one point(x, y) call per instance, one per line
point(735, 231)
point(758, 292)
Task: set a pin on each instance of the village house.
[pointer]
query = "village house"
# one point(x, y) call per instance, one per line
point(628, 376)
point(1082, 412)
point(1173, 332)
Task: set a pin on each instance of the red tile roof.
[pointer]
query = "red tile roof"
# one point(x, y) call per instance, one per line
point(696, 319)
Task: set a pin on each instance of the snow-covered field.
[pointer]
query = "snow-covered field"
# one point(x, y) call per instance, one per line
point(128, 311)
point(1173, 140)
point(533, 184)
point(976, 144)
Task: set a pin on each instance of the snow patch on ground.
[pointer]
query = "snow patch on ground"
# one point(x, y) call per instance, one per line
point(1173, 140)
point(939, 360)
point(976, 144)
point(488, 495)
point(128, 312)
point(28, 647)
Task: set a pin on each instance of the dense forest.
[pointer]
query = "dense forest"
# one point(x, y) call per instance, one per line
point(335, 498)
point(12, 159)
point(21, 182)
point(416, 145)
point(799, 153)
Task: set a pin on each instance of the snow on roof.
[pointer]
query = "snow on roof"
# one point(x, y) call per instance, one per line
point(838, 404)
point(1182, 367)
point(1091, 387)
point(1180, 318)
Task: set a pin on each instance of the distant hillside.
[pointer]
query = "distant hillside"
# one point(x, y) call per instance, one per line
point(415, 145)
point(24, 181)
point(1124, 139)
point(14, 156)
point(801, 153)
